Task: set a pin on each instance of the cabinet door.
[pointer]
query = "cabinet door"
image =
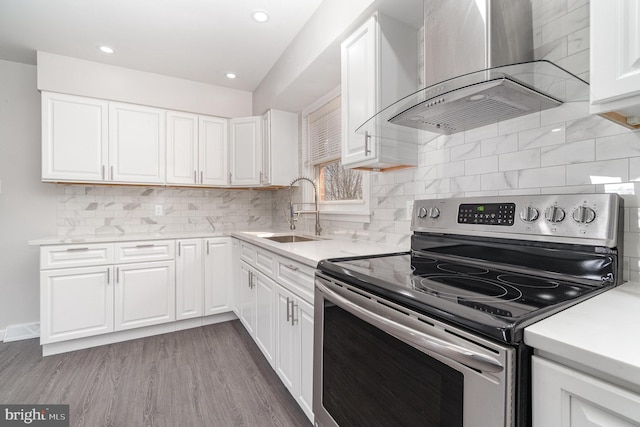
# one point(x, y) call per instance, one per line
point(286, 355)
point(304, 322)
point(563, 397)
point(214, 156)
point(236, 276)
point(280, 164)
point(359, 75)
point(217, 276)
point(246, 157)
point(75, 303)
point(182, 148)
point(144, 294)
point(265, 332)
point(136, 143)
point(615, 58)
point(74, 138)
point(247, 303)
point(265, 170)
point(189, 283)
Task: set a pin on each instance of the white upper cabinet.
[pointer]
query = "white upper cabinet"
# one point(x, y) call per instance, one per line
point(74, 138)
point(136, 143)
point(246, 153)
point(213, 150)
point(378, 67)
point(279, 148)
point(182, 148)
point(615, 58)
point(196, 149)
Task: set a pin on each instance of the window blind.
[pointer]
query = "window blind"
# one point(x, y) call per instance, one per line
point(325, 133)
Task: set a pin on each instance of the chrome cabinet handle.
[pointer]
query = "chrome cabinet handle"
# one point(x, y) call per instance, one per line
point(251, 279)
point(288, 310)
point(367, 140)
point(195, 176)
point(291, 267)
point(77, 249)
point(423, 342)
point(229, 178)
point(117, 274)
point(201, 177)
point(208, 242)
point(144, 246)
point(103, 172)
point(261, 177)
point(108, 276)
point(179, 246)
point(111, 173)
point(294, 306)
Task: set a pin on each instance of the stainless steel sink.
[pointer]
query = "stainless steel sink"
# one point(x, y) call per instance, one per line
point(291, 238)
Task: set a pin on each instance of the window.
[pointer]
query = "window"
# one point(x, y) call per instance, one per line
point(342, 191)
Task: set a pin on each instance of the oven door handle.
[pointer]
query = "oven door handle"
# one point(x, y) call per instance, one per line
point(420, 340)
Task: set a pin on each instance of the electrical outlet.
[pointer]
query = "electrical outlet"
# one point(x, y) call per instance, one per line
point(409, 209)
point(159, 210)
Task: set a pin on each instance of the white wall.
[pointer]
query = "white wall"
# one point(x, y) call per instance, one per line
point(310, 66)
point(27, 206)
point(63, 74)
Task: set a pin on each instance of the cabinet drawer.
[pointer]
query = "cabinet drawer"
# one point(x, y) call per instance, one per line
point(265, 261)
point(154, 250)
point(296, 277)
point(65, 256)
point(248, 254)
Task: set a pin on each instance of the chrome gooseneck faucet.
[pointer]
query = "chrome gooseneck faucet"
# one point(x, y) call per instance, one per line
point(294, 214)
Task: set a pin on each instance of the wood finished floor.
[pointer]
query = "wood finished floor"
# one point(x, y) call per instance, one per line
point(209, 376)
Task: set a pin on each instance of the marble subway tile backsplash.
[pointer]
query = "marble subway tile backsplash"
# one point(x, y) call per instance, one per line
point(93, 210)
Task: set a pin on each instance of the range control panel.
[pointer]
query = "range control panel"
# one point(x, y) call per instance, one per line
point(571, 218)
point(487, 213)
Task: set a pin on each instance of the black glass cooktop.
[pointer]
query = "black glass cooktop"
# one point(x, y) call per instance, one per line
point(495, 299)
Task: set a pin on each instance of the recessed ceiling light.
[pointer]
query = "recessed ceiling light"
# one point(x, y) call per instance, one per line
point(260, 15)
point(230, 75)
point(106, 49)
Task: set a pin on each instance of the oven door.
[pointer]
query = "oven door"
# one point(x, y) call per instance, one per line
point(379, 364)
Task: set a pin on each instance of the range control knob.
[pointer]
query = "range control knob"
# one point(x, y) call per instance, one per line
point(584, 215)
point(434, 213)
point(554, 214)
point(422, 212)
point(529, 214)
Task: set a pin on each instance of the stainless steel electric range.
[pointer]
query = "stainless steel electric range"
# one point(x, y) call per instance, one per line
point(434, 336)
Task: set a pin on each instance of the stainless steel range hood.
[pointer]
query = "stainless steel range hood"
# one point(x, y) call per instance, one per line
point(479, 70)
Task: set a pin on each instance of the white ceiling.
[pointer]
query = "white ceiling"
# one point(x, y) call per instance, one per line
point(198, 40)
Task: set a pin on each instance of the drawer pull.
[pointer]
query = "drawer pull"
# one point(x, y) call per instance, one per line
point(144, 246)
point(77, 249)
point(291, 267)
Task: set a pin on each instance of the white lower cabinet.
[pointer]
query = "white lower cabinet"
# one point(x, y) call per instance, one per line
point(217, 276)
point(294, 337)
point(246, 299)
point(189, 279)
point(265, 329)
point(144, 294)
point(256, 308)
point(275, 305)
point(75, 303)
point(565, 397)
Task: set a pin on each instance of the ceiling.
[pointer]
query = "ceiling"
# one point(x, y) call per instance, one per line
point(198, 40)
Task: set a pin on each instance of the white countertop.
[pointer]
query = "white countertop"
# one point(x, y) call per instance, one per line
point(600, 335)
point(309, 253)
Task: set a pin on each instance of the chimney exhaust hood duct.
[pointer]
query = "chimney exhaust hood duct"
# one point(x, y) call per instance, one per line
point(479, 69)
